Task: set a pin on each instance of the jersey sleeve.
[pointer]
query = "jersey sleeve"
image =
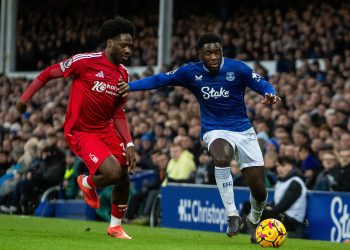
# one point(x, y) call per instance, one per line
point(256, 82)
point(40, 81)
point(176, 77)
point(70, 67)
point(73, 66)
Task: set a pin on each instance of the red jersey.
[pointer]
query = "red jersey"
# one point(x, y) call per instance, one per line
point(93, 96)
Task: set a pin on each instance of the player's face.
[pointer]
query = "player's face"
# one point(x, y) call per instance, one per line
point(211, 55)
point(283, 169)
point(120, 48)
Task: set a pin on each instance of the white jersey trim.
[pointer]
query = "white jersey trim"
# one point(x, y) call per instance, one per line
point(86, 56)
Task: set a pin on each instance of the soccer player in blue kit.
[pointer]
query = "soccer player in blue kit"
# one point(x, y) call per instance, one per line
point(219, 85)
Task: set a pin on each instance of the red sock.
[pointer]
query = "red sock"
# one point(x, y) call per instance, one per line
point(90, 181)
point(118, 211)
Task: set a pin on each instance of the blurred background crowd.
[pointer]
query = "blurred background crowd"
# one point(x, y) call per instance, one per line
point(268, 31)
point(311, 125)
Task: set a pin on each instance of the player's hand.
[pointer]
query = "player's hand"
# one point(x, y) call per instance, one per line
point(131, 159)
point(270, 99)
point(123, 89)
point(21, 106)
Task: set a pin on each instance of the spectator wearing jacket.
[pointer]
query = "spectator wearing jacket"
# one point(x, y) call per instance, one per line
point(289, 201)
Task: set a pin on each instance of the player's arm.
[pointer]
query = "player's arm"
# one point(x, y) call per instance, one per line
point(40, 81)
point(68, 67)
point(121, 125)
point(260, 85)
point(173, 78)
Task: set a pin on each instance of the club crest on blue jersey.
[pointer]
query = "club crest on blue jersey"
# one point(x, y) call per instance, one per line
point(230, 76)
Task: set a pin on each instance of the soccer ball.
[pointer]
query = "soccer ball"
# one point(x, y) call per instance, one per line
point(270, 233)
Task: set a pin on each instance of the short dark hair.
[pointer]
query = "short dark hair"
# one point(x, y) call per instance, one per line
point(113, 27)
point(286, 160)
point(208, 38)
point(305, 147)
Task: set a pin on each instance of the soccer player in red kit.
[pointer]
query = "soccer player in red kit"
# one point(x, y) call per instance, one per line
point(96, 127)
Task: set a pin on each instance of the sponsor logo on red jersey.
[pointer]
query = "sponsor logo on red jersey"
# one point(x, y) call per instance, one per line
point(105, 87)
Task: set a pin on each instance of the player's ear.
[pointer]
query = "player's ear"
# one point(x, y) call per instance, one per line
point(109, 43)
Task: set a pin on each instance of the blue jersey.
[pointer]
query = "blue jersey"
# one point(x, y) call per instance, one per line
point(220, 96)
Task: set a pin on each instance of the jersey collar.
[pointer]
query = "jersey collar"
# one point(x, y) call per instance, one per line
point(221, 65)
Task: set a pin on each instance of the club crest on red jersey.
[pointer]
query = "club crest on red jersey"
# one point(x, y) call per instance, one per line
point(66, 64)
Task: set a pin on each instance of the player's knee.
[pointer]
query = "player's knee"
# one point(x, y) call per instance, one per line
point(111, 171)
point(112, 175)
point(221, 161)
point(115, 176)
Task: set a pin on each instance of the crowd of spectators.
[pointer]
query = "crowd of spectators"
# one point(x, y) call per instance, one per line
point(311, 125)
point(56, 31)
point(255, 32)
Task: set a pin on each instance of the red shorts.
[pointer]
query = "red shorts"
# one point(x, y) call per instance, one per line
point(94, 148)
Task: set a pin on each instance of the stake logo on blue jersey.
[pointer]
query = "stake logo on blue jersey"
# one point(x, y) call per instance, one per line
point(212, 93)
point(220, 96)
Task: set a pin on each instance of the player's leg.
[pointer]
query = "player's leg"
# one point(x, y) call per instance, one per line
point(109, 172)
point(251, 163)
point(103, 167)
point(120, 191)
point(222, 153)
point(120, 195)
point(255, 177)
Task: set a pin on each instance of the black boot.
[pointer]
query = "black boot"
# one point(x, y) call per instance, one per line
point(251, 228)
point(234, 226)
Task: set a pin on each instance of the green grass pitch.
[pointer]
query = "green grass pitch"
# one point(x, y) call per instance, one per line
point(26, 232)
